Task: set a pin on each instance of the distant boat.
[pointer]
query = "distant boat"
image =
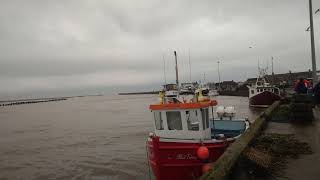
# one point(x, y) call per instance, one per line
point(171, 90)
point(213, 93)
point(187, 89)
point(262, 94)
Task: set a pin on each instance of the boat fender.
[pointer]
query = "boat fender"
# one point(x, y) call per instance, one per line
point(220, 111)
point(203, 152)
point(247, 120)
point(221, 136)
point(206, 167)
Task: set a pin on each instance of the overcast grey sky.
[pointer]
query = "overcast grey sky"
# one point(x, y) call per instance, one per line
point(88, 46)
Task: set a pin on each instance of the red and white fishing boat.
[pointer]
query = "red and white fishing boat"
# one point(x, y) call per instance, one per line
point(262, 94)
point(185, 139)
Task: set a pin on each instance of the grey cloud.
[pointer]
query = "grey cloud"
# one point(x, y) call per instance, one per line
point(82, 43)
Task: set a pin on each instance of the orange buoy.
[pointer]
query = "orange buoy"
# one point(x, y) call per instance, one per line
point(206, 168)
point(203, 152)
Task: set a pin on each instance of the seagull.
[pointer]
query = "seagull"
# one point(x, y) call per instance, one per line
point(317, 11)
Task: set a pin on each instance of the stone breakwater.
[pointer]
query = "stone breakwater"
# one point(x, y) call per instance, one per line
point(31, 101)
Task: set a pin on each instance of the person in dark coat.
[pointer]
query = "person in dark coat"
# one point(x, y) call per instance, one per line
point(301, 87)
point(316, 92)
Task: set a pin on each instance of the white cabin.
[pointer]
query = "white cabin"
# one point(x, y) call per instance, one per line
point(184, 124)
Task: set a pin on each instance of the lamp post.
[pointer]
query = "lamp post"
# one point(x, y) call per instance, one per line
point(313, 55)
point(219, 75)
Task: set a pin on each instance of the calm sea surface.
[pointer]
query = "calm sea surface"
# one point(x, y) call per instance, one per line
point(100, 137)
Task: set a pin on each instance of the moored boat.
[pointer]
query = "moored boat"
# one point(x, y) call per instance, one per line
point(262, 94)
point(213, 92)
point(187, 89)
point(186, 138)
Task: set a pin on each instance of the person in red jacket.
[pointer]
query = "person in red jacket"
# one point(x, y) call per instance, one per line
point(300, 87)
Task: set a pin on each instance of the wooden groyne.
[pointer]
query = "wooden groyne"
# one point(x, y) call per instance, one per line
point(223, 166)
point(41, 100)
point(30, 101)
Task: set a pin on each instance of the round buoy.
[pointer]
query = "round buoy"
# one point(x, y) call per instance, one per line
point(206, 168)
point(203, 152)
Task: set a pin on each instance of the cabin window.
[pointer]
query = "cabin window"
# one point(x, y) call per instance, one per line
point(174, 120)
point(252, 91)
point(205, 118)
point(158, 120)
point(192, 120)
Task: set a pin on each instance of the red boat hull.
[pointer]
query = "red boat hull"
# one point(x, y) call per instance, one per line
point(178, 160)
point(264, 99)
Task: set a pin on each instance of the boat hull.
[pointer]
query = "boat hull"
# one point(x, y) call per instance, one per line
point(178, 160)
point(263, 99)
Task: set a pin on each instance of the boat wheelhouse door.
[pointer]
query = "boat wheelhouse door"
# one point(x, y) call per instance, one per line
point(186, 124)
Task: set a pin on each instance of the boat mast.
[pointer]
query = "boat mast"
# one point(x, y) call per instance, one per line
point(177, 75)
point(259, 72)
point(219, 75)
point(272, 70)
point(189, 67)
point(164, 69)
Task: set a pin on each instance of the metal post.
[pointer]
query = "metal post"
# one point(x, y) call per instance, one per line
point(177, 75)
point(313, 55)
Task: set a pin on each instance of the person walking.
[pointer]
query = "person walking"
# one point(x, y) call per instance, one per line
point(316, 93)
point(300, 87)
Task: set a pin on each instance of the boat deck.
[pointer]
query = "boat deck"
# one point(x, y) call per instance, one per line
point(230, 128)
